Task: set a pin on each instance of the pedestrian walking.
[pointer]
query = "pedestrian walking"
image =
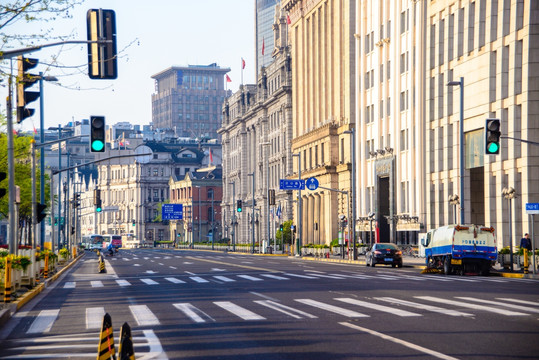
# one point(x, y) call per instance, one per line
point(525, 242)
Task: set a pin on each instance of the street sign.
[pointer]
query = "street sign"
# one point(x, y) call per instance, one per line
point(532, 208)
point(312, 183)
point(286, 184)
point(172, 211)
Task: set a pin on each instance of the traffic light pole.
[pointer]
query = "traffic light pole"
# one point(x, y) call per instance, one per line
point(11, 170)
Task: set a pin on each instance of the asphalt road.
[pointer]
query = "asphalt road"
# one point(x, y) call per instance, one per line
point(209, 305)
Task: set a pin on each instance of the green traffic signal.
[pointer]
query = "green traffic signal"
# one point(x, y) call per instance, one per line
point(493, 148)
point(98, 208)
point(492, 136)
point(97, 145)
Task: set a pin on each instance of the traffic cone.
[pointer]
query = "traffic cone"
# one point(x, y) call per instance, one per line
point(125, 346)
point(105, 349)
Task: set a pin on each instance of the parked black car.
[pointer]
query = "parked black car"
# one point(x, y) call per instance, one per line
point(384, 253)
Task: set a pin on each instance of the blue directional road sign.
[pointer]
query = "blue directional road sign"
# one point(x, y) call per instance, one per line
point(292, 184)
point(172, 212)
point(312, 183)
point(532, 208)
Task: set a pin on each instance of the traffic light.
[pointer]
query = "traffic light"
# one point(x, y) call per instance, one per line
point(97, 133)
point(492, 136)
point(25, 80)
point(97, 200)
point(3, 175)
point(134, 223)
point(281, 227)
point(76, 200)
point(271, 197)
point(239, 205)
point(102, 56)
point(40, 211)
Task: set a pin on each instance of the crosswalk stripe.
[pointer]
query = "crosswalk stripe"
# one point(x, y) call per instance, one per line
point(327, 276)
point(378, 307)
point(471, 306)
point(149, 281)
point(198, 279)
point(94, 317)
point(301, 276)
point(332, 308)
point(285, 309)
point(123, 282)
point(174, 280)
point(239, 311)
point(70, 285)
point(436, 278)
point(97, 283)
point(192, 312)
point(498, 303)
point(519, 301)
point(248, 277)
point(43, 322)
point(423, 306)
point(386, 277)
point(143, 315)
point(276, 277)
point(224, 278)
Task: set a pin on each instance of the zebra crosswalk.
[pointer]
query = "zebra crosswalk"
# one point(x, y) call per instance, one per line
point(201, 312)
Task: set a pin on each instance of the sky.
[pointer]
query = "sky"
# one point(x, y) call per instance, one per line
point(151, 36)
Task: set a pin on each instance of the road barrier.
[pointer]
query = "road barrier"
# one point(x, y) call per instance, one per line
point(101, 265)
point(105, 349)
point(125, 345)
point(7, 283)
point(46, 268)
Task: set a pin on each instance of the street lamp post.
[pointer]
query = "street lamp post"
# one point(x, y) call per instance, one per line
point(267, 190)
point(198, 213)
point(454, 200)
point(253, 214)
point(298, 241)
point(460, 83)
point(509, 194)
point(233, 215)
point(353, 178)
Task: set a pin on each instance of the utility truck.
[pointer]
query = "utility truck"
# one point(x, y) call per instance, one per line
point(460, 249)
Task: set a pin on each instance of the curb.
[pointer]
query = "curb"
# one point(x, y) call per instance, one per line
point(9, 310)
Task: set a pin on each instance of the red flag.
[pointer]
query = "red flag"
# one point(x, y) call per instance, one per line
point(228, 78)
point(288, 20)
point(242, 63)
point(35, 130)
point(211, 157)
point(15, 132)
point(263, 45)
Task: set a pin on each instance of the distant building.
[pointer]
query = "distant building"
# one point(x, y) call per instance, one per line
point(264, 19)
point(188, 100)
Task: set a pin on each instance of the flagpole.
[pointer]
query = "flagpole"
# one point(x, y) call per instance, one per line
point(241, 64)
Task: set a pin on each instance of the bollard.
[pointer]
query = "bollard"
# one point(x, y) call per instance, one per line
point(101, 265)
point(125, 345)
point(46, 268)
point(74, 252)
point(7, 283)
point(526, 262)
point(105, 349)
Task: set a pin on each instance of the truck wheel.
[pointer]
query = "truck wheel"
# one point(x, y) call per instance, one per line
point(447, 266)
point(485, 270)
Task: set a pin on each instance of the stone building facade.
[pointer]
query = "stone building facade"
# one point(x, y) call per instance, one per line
point(256, 138)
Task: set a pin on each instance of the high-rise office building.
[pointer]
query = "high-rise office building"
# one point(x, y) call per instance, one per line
point(264, 43)
point(189, 100)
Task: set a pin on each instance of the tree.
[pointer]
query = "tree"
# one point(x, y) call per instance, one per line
point(29, 11)
point(285, 236)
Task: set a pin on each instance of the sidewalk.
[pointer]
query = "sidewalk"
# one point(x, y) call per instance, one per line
point(7, 310)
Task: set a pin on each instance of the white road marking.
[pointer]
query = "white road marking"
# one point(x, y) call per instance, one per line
point(224, 278)
point(378, 307)
point(301, 276)
point(94, 317)
point(239, 311)
point(271, 276)
point(173, 267)
point(96, 283)
point(331, 308)
point(143, 315)
point(70, 285)
point(198, 279)
point(43, 322)
point(285, 309)
point(192, 312)
point(174, 280)
point(471, 306)
point(498, 303)
point(136, 264)
point(123, 282)
point(252, 278)
point(424, 306)
point(149, 281)
point(519, 301)
point(328, 276)
point(399, 341)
